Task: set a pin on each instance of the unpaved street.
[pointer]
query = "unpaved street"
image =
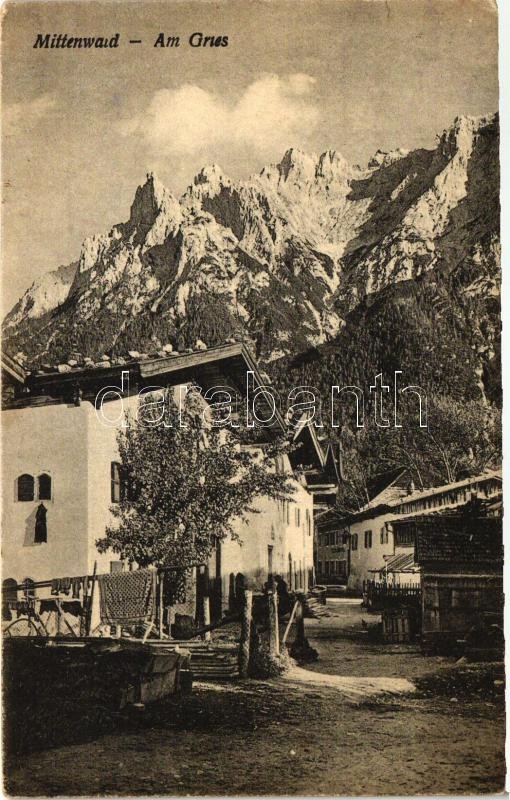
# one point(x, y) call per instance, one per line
point(287, 738)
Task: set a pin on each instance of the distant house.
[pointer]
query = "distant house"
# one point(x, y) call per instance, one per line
point(461, 561)
point(61, 467)
point(320, 461)
point(332, 549)
point(321, 464)
point(381, 542)
point(370, 540)
point(400, 566)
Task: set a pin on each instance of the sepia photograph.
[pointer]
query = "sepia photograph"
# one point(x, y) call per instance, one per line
point(251, 427)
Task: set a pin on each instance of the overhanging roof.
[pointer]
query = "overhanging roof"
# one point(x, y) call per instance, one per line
point(217, 367)
point(13, 369)
point(402, 562)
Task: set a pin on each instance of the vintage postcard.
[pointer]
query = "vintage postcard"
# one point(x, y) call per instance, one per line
point(251, 398)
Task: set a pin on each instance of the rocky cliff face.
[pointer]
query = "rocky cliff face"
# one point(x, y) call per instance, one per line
point(282, 260)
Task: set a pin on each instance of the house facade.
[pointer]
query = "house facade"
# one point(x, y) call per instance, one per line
point(60, 458)
point(370, 541)
point(382, 545)
point(61, 476)
point(332, 552)
point(276, 540)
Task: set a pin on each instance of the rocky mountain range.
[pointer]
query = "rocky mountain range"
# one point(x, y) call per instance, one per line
point(295, 260)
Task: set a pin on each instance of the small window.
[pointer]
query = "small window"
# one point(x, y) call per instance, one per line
point(115, 482)
point(9, 590)
point(354, 541)
point(44, 482)
point(25, 488)
point(28, 588)
point(116, 566)
point(368, 538)
point(288, 512)
point(466, 598)
point(298, 516)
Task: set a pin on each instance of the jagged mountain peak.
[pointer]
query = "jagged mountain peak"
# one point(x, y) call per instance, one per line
point(474, 122)
point(385, 157)
point(207, 183)
point(47, 292)
point(462, 134)
point(151, 199)
point(332, 164)
point(211, 174)
point(298, 168)
point(300, 164)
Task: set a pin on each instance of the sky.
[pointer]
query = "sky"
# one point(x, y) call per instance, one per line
point(81, 128)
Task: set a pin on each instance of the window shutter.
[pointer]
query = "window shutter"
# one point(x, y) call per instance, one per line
point(44, 482)
point(9, 590)
point(25, 488)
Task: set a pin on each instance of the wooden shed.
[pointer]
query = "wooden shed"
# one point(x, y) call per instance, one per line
point(461, 560)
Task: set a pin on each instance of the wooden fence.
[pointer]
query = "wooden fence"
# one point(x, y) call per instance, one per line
point(381, 596)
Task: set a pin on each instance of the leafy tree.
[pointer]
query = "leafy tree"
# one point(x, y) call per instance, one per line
point(461, 440)
point(186, 482)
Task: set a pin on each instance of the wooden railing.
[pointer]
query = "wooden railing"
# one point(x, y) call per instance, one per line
point(379, 596)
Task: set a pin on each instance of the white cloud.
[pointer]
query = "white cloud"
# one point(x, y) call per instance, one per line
point(19, 116)
point(272, 112)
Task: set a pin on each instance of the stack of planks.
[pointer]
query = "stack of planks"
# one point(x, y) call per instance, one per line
point(315, 609)
point(211, 661)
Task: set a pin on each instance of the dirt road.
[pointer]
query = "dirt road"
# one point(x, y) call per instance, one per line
point(279, 738)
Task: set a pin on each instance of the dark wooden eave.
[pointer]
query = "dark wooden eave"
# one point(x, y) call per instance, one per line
point(218, 367)
point(13, 370)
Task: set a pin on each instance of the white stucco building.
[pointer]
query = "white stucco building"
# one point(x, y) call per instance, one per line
point(69, 445)
point(59, 456)
point(381, 546)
